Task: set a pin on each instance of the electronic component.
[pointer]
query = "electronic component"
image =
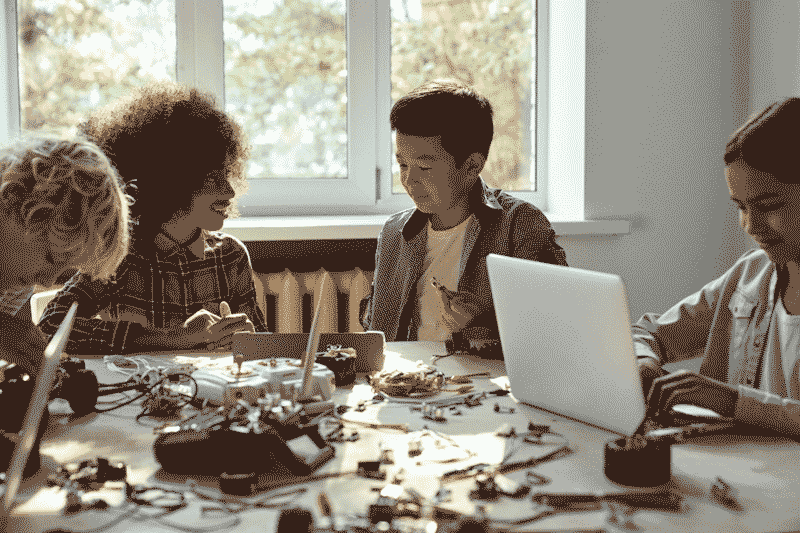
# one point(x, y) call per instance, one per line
point(725, 495)
point(89, 474)
point(295, 520)
point(371, 470)
point(662, 500)
point(638, 462)
point(258, 379)
point(267, 439)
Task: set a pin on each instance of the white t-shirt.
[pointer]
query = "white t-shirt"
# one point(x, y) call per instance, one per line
point(441, 261)
point(781, 365)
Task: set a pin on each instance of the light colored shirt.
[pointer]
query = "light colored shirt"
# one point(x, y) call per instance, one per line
point(503, 225)
point(441, 262)
point(779, 373)
point(734, 323)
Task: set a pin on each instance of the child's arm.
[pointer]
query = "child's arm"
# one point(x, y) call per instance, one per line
point(89, 335)
point(365, 306)
point(768, 411)
point(242, 290)
point(534, 238)
point(21, 342)
point(681, 332)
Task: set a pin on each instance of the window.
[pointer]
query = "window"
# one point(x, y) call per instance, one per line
point(311, 81)
point(78, 55)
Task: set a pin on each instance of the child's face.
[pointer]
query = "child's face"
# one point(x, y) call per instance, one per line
point(769, 211)
point(26, 259)
point(209, 207)
point(429, 174)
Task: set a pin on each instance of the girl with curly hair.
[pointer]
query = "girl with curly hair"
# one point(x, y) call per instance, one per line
point(185, 284)
point(62, 207)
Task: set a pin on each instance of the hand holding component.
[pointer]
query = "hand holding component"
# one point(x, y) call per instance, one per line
point(459, 308)
point(222, 331)
point(197, 328)
point(690, 388)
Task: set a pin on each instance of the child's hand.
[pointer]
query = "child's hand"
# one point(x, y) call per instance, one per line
point(687, 387)
point(223, 330)
point(197, 328)
point(21, 342)
point(459, 308)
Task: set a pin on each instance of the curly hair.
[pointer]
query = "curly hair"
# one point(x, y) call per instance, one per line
point(164, 139)
point(770, 141)
point(67, 191)
point(450, 108)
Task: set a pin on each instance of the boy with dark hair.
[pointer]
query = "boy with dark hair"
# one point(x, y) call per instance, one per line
point(62, 207)
point(185, 284)
point(444, 131)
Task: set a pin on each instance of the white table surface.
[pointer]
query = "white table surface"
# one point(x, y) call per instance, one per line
point(765, 471)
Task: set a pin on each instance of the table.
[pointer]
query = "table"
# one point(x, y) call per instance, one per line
point(766, 471)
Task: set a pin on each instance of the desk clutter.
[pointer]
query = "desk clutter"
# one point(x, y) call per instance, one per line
point(413, 440)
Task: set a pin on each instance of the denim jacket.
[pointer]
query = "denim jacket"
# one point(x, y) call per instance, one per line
point(728, 323)
point(502, 225)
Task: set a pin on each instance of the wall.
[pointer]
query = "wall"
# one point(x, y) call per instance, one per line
point(666, 84)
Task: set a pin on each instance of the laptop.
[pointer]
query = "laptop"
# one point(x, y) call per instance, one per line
point(33, 417)
point(310, 355)
point(566, 338)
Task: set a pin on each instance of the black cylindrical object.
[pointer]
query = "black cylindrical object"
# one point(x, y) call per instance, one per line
point(343, 368)
point(645, 464)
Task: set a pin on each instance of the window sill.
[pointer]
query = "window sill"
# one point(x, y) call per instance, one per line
point(369, 226)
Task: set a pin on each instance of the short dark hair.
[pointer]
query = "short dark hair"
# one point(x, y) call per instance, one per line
point(770, 141)
point(450, 108)
point(164, 139)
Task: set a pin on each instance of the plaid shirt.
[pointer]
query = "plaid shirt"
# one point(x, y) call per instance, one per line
point(160, 288)
point(12, 300)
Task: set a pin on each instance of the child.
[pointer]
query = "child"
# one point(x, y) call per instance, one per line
point(746, 322)
point(444, 130)
point(185, 159)
point(62, 207)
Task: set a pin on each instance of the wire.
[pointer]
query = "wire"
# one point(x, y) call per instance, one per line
point(122, 404)
point(233, 523)
point(125, 514)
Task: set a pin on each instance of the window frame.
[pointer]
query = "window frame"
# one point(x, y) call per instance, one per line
point(367, 190)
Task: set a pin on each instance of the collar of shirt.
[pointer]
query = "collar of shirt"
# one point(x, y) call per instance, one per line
point(487, 206)
point(167, 247)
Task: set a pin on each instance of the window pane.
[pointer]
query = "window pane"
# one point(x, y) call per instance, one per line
point(484, 43)
point(286, 83)
point(77, 55)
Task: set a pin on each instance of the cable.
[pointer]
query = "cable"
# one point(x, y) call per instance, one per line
point(126, 514)
point(122, 404)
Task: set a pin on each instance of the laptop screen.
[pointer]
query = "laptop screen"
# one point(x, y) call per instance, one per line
point(567, 342)
point(310, 357)
point(36, 409)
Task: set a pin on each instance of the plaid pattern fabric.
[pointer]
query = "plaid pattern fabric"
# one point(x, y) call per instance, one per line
point(12, 300)
point(160, 288)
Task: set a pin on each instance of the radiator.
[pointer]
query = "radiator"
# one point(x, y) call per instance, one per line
point(287, 299)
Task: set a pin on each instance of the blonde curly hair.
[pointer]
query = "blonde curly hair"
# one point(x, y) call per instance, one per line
point(164, 139)
point(67, 191)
